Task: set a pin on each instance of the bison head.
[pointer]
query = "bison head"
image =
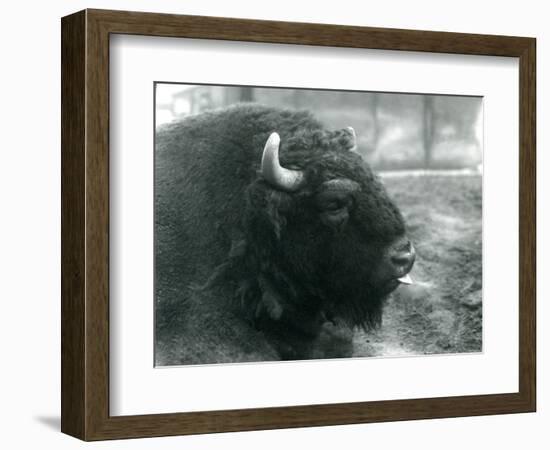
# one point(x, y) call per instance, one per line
point(322, 238)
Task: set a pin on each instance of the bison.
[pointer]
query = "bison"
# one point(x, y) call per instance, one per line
point(273, 238)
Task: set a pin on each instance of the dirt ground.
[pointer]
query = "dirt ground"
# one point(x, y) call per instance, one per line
point(442, 311)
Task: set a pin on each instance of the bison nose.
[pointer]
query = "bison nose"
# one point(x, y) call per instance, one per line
point(402, 257)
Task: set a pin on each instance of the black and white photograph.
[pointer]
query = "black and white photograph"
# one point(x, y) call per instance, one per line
point(295, 224)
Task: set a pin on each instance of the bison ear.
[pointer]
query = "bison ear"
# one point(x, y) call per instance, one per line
point(278, 205)
point(266, 210)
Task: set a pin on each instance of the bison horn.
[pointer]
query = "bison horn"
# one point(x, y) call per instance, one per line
point(353, 142)
point(273, 172)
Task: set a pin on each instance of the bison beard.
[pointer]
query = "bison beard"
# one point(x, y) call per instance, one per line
point(295, 254)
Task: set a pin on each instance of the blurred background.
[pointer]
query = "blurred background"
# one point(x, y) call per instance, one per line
point(394, 131)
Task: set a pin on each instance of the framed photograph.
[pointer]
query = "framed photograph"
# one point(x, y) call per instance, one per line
point(273, 225)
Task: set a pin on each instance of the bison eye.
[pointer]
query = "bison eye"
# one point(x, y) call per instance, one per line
point(335, 219)
point(334, 209)
point(333, 203)
point(334, 206)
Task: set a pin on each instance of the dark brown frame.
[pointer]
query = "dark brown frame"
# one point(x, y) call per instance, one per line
point(85, 224)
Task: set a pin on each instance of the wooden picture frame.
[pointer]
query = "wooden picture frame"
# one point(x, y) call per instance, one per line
point(85, 224)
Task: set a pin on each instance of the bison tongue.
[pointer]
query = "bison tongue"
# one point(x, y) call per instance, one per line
point(405, 279)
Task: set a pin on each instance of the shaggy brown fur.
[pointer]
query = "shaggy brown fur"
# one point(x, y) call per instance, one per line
point(246, 272)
